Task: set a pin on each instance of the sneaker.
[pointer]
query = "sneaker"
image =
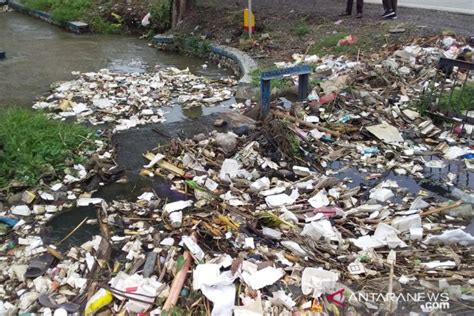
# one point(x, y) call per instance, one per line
point(359, 15)
point(392, 17)
point(344, 14)
point(383, 14)
point(389, 14)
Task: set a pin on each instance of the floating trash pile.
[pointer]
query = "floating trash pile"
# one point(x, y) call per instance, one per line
point(127, 100)
point(268, 220)
point(303, 239)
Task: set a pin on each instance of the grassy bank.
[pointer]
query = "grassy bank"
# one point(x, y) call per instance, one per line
point(193, 45)
point(107, 16)
point(63, 11)
point(32, 146)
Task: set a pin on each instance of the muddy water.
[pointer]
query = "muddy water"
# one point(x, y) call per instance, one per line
point(59, 227)
point(129, 146)
point(39, 54)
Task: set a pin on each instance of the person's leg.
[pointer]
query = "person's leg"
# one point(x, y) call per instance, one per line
point(394, 5)
point(349, 6)
point(360, 6)
point(386, 6)
point(390, 12)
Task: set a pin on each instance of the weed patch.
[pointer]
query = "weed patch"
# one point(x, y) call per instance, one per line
point(31, 145)
point(101, 25)
point(301, 29)
point(368, 40)
point(279, 84)
point(328, 44)
point(460, 102)
point(194, 45)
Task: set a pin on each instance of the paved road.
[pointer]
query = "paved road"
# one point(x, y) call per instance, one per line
point(458, 6)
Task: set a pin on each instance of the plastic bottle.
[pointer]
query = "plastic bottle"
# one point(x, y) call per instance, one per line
point(369, 151)
point(461, 195)
point(468, 156)
point(100, 299)
point(346, 118)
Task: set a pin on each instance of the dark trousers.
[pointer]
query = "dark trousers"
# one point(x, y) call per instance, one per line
point(390, 5)
point(350, 3)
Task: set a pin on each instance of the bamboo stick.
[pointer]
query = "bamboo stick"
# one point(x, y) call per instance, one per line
point(178, 282)
point(441, 209)
point(306, 124)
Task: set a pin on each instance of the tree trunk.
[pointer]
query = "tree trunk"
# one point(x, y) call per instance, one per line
point(180, 7)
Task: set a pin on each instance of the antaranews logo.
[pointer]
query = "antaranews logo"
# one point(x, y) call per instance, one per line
point(429, 301)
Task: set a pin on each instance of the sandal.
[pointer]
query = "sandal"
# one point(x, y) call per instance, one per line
point(38, 266)
point(48, 300)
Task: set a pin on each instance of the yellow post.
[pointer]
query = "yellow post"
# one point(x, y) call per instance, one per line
point(249, 27)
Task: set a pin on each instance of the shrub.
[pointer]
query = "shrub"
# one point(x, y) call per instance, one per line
point(194, 45)
point(301, 29)
point(161, 13)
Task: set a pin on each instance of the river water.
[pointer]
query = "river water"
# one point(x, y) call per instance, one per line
point(39, 54)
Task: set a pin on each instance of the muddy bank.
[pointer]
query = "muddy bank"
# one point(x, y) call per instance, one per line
point(290, 27)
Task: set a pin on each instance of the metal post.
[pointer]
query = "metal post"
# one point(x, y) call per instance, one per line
point(303, 86)
point(265, 86)
point(250, 18)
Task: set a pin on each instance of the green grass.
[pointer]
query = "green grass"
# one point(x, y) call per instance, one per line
point(101, 25)
point(328, 44)
point(370, 38)
point(44, 5)
point(295, 144)
point(460, 101)
point(301, 29)
point(313, 82)
point(63, 11)
point(280, 84)
point(32, 145)
point(194, 45)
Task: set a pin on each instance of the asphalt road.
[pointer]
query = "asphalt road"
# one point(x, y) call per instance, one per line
point(458, 6)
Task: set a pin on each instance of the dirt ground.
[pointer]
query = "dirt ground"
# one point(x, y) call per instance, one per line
point(296, 26)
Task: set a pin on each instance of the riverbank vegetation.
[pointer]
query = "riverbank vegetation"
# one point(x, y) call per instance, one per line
point(33, 146)
point(115, 16)
point(193, 45)
point(63, 11)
